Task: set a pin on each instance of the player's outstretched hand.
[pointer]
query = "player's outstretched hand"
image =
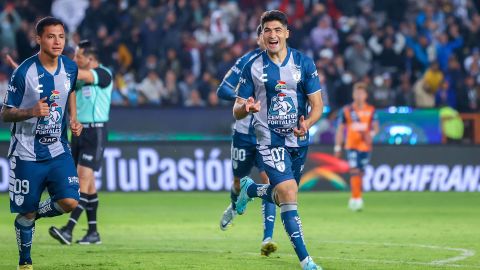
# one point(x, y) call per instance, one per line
point(251, 106)
point(10, 61)
point(302, 128)
point(41, 108)
point(76, 127)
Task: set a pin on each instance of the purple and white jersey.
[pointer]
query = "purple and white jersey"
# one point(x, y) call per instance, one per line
point(283, 94)
point(40, 138)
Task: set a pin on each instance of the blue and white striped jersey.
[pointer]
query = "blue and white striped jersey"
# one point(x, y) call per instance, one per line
point(283, 94)
point(226, 90)
point(41, 138)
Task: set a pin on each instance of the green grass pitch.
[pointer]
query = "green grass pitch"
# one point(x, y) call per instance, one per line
point(180, 231)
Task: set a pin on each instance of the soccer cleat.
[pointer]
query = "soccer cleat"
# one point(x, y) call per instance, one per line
point(90, 238)
point(243, 199)
point(25, 267)
point(355, 204)
point(310, 265)
point(268, 247)
point(63, 235)
point(227, 217)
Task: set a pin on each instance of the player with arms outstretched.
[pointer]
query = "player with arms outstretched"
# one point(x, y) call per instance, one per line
point(244, 152)
point(288, 76)
point(38, 97)
point(361, 124)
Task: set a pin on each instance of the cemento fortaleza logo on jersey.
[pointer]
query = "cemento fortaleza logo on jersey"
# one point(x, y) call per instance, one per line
point(282, 113)
point(50, 125)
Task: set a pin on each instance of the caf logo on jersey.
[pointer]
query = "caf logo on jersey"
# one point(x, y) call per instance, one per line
point(55, 95)
point(281, 85)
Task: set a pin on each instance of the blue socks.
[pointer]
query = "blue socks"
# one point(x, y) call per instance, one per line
point(24, 228)
point(261, 191)
point(48, 208)
point(269, 212)
point(293, 226)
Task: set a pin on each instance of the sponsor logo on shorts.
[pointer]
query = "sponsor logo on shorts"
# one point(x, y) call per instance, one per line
point(48, 140)
point(87, 157)
point(72, 180)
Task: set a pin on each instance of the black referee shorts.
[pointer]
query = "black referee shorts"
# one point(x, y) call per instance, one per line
point(88, 148)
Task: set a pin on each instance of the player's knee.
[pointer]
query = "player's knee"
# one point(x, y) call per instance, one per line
point(68, 204)
point(287, 191)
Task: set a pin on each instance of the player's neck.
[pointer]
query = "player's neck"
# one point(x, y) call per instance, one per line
point(278, 57)
point(48, 62)
point(359, 105)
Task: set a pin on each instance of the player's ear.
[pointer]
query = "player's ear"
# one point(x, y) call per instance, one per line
point(287, 33)
point(38, 39)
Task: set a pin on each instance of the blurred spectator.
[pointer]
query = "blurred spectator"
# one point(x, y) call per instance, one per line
point(433, 78)
point(324, 34)
point(472, 59)
point(188, 85)
point(446, 96)
point(469, 96)
point(71, 12)
point(9, 24)
point(151, 89)
point(172, 95)
point(404, 95)
point(383, 92)
point(357, 57)
point(424, 96)
point(194, 100)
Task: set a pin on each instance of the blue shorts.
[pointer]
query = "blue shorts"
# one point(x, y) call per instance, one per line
point(244, 155)
point(28, 179)
point(283, 163)
point(357, 159)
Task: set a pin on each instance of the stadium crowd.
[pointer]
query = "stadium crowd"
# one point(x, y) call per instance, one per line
point(418, 53)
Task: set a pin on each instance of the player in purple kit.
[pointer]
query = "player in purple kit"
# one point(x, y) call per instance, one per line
point(38, 97)
point(277, 86)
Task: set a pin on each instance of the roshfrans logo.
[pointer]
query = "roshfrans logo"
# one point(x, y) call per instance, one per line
point(329, 168)
point(55, 95)
point(281, 85)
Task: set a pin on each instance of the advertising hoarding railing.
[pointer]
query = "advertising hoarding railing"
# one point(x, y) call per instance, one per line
point(206, 166)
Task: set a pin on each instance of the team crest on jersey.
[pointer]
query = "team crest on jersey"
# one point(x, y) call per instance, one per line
point(281, 85)
point(55, 95)
point(19, 199)
point(296, 73)
point(280, 166)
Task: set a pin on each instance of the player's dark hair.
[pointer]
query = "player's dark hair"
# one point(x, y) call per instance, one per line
point(259, 30)
point(88, 48)
point(47, 21)
point(274, 15)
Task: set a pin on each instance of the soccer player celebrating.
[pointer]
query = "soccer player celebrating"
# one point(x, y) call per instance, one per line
point(93, 93)
point(39, 94)
point(244, 152)
point(276, 87)
point(361, 124)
